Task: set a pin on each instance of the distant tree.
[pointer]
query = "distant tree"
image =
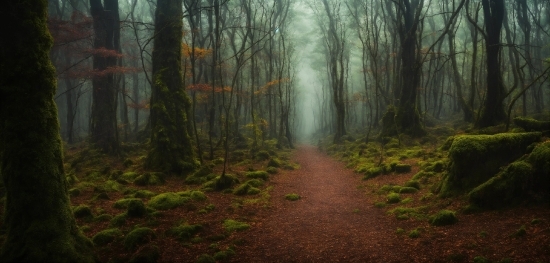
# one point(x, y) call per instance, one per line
point(103, 128)
point(171, 148)
point(493, 106)
point(38, 219)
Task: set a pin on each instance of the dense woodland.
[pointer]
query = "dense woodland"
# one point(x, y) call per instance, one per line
point(145, 106)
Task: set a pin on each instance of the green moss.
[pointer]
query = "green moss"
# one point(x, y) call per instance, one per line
point(74, 192)
point(82, 211)
point(123, 203)
point(413, 183)
point(422, 174)
point(136, 208)
point(415, 233)
point(274, 162)
point(149, 179)
point(373, 172)
point(129, 176)
point(106, 236)
point(380, 204)
point(532, 124)
point(118, 220)
point(402, 168)
point(143, 194)
point(476, 158)
point(127, 162)
point(520, 232)
point(393, 198)
point(292, 197)
point(258, 175)
point(185, 232)
point(443, 218)
point(205, 258)
point(147, 254)
point(224, 254)
point(271, 170)
point(231, 225)
point(263, 155)
point(480, 259)
point(408, 190)
point(504, 188)
point(167, 201)
point(103, 218)
point(137, 237)
point(223, 182)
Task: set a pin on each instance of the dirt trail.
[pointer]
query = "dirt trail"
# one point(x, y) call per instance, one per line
point(333, 221)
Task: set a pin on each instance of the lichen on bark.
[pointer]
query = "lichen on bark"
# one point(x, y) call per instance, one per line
point(39, 223)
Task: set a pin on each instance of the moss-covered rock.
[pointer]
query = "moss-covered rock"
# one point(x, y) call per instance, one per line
point(138, 236)
point(271, 170)
point(224, 182)
point(516, 181)
point(393, 198)
point(274, 162)
point(167, 201)
point(106, 236)
point(408, 190)
point(532, 124)
point(443, 218)
point(150, 179)
point(193, 195)
point(476, 158)
point(401, 168)
point(118, 220)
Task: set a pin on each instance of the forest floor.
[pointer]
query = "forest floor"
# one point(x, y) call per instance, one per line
point(338, 218)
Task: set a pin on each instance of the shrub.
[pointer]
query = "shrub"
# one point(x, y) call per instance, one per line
point(443, 217)
point(138, 236)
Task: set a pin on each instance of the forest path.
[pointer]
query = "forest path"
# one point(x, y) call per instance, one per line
point(332, 222)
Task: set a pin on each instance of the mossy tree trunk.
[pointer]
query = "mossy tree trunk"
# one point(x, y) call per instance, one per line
point(103, 129)
point(493, 107)
point(171, 148)
point(407, 118)
point(38, 217)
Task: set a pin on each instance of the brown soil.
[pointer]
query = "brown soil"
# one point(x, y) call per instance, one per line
point(336, 221)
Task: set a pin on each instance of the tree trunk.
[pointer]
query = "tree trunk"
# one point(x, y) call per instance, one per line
point(103, 128)
point(493, 108)
point(171, 148)
point(38, 219)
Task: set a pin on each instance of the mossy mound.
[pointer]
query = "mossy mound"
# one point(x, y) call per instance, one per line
point(200, 176)
point(532, 124)
point(402, 168)
point(185, 232)
point(519, 179)
point(292, 197)
point(150, 179)
point(231, 225)
point(128, 176)
point(258, 175)
point(476, 158)
point(167, 201)
point(136, 208)
point(224, 254)
point(393, 198)
point(443, 218)
point(82, 211)
point(143, 194)
point(224, 182)
point(123, 203)
point(118, 220)
point(147, 254)
point(247, 188)
point(408, 190)
point(106, 236)
point(138, 236)
point(271, 170)
point(194, 195)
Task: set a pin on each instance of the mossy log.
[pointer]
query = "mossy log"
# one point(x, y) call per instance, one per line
point(38, 220)
point(515, 183)
point(474, 159)
point(532, 124)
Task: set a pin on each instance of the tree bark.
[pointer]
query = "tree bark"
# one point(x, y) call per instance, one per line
point(38, 219)
point(493, 108)
point(171, 148)
point(103, 128)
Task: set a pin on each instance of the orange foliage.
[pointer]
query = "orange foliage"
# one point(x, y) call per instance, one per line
point(269, 84)
point(200, 53)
